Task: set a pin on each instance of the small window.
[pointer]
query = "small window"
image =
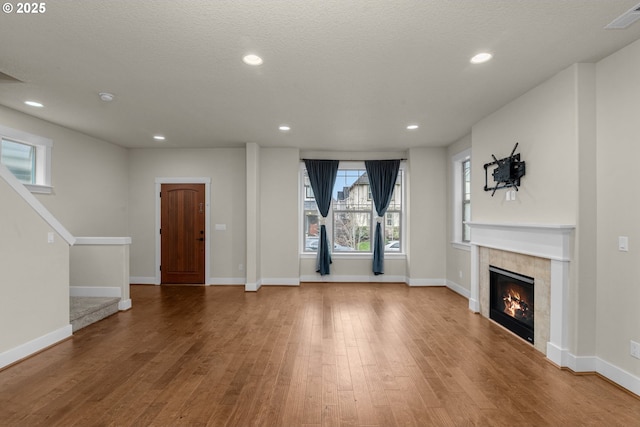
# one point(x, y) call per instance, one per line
point(461, 167)
point(20, 159)
point(28, 157)
point(466, 200)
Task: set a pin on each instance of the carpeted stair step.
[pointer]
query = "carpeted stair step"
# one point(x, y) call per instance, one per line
point(87, 310)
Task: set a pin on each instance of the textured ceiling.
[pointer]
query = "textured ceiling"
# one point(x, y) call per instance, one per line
point(345, 75)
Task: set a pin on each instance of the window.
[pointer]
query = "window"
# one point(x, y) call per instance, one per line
point(28, 157)
point(20, 159)
point(461, 165)
point(308, 192)
point(466, 200)
point(352, 217)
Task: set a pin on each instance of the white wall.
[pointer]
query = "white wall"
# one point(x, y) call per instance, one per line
point(543, 122)
point(583, 283)
point(618, 213)
point(226, 168)
point(280, 215)
point(427, 216)
point(89, 176)
point(34, 289)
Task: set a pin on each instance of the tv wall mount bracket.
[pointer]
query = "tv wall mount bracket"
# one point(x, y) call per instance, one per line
point(507, 172)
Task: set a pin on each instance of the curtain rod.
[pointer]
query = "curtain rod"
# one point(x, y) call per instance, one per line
point(355, 160)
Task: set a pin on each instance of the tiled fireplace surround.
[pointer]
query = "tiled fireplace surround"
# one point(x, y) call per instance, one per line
point(541, 251)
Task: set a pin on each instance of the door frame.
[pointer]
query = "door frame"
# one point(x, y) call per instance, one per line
point(207, 220)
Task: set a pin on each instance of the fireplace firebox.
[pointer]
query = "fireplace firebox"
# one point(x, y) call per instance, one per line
point(511, 301)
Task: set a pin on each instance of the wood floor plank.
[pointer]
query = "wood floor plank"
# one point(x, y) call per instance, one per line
point(321, 354)
point(312, 412)
point(348, 414)
point(329, 385)
point(364, 405)
point(330, 416)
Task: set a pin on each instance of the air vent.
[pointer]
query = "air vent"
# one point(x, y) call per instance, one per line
point(4, 78)
point(626, 19)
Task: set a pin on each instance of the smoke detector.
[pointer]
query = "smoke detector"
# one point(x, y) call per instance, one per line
point(106, 97)
point(626, 19)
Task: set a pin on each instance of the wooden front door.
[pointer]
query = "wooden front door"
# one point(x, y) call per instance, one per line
point(182, 219)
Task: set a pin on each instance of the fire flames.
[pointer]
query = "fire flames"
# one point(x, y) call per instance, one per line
point(515, 306)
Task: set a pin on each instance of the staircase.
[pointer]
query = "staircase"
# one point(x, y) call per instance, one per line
point(87, 310)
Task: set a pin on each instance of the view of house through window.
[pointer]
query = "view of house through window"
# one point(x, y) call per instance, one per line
point(351, 220)
point(20, 159)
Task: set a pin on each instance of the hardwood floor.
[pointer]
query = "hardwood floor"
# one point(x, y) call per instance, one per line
point(315, 355)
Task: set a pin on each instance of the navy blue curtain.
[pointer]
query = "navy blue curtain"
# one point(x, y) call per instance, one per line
point(322, 176)
point(382, 180)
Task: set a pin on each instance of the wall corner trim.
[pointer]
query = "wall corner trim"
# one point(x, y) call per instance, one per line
point(124, 305)
point(252, 287)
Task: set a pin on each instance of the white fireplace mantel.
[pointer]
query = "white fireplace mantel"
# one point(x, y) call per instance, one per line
point(550, 241)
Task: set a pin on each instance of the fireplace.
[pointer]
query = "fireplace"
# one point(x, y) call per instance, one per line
point(511, 300)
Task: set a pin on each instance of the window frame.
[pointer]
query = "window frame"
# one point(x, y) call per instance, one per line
point(356, 165)
point(465, 201)
point(458, 161)
point(43, 147)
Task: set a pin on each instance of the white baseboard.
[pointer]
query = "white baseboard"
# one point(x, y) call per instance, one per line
point(226, 281)
point(583, 363)
point(426, 282)
point(459, 289)
point(95, 291)
point(382, 278)
point(124, 305)
point(290, 281)
point(252, 287)
point(142, 280)
point(38, 344)
point(618, 376)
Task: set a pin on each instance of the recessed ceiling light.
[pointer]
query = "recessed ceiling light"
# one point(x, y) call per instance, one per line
point(285, 128)
point(252, 60)
point(412, 127)
point(106, 96)
point(159, 137)
point(481, 57)
point(34, 104)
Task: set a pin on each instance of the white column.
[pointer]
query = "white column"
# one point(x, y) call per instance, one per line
point(557, 347)
point(474, 299)
point(252, 282)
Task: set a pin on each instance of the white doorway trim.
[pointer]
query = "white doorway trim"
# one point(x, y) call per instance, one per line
point(207, 198)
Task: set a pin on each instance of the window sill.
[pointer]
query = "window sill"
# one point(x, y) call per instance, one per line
point(356, 255)
point(39, 189)
point(463, 246)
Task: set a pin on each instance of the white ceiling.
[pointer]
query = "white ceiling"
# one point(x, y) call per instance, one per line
point(344, 74)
